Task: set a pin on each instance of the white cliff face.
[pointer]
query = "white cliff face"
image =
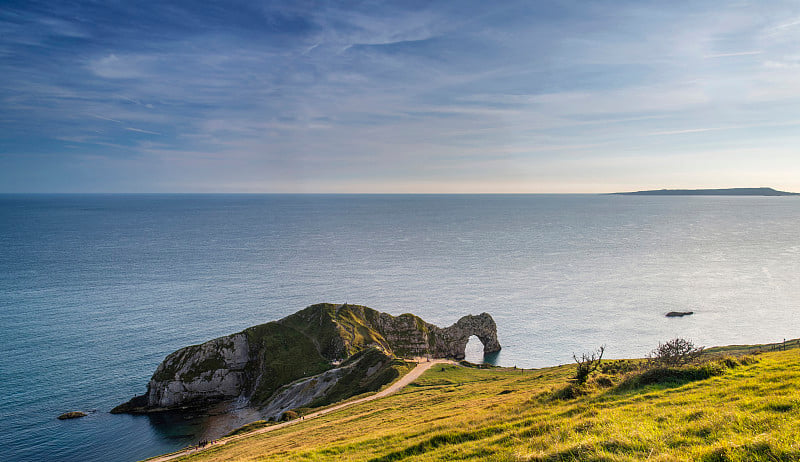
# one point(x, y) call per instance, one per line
point(207, 372)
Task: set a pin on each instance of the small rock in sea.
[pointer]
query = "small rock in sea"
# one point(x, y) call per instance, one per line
point(71, 415)
point(678, 314)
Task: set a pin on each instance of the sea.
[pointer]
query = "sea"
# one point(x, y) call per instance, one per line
point(95, 290)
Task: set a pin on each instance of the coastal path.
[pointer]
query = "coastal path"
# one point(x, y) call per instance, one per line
point(422, 366)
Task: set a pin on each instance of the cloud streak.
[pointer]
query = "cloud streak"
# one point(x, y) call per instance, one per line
point(139, 130)
point(734, 54)
point(279, 93)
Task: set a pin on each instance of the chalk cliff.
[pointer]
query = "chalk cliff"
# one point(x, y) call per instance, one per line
point(338, 351)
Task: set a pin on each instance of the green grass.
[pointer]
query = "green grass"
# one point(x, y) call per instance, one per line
point(342, 338)
point(357, 327)
point(739, 410)
point(285, 356)
point(305, 343)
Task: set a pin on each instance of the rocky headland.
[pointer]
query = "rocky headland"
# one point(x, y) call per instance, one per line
point(322, 354)
point(711, 192)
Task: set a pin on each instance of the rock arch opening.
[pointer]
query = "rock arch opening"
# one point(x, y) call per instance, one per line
point(473, 352)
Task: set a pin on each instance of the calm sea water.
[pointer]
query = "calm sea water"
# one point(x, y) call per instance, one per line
point(95, 290)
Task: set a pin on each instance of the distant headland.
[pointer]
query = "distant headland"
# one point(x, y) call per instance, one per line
point(711, 192)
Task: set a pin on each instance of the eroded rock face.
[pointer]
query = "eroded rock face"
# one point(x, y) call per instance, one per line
point(302, 392)
point(203, 373)
point(408, 335)
point(196, 376)
point(368, 369)
point(451, 342)
point(255, 364)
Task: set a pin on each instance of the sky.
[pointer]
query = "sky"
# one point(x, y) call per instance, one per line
point(398, 97)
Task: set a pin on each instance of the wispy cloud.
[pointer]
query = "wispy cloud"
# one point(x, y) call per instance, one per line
point(788, 24)
point(139, 130)
point(105, 118)
point(280, 93)
point(683, 132)
point(733, 54)
point(114, 67)
point(779, 124)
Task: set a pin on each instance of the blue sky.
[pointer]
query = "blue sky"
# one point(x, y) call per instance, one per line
point(566, 96)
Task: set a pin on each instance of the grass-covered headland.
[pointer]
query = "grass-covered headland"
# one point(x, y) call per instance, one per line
point(734, 404)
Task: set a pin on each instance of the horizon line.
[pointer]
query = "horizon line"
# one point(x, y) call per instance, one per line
point(244, 193)
point(322, 193)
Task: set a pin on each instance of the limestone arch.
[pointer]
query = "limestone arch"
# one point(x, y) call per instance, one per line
point(481, 326)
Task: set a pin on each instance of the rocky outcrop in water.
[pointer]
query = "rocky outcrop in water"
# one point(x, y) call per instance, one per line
point(324, 343)
point(678, 314)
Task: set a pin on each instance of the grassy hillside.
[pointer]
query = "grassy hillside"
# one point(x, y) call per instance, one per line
point(304, 343)
point(745, 410)
point(285, 355)
point(342, 330)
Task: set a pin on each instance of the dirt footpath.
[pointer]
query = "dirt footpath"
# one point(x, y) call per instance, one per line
point(422, 366)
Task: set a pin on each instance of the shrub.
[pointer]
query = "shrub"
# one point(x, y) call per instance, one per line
point(733, 361)
point(588, 363)
point(675, 352)
point(289, 415)
point(570, 391)
point(618, 367)
point(676, 375)
point(603, 381)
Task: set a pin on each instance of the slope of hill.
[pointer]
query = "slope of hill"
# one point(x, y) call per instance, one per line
point(743, 409)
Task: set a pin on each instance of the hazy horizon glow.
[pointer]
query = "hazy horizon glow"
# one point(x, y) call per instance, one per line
point(429, 97)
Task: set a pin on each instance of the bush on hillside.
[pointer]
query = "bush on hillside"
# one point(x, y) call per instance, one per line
point(570, 391)
point(671, 375)
point(575, 390)
point(603, 381)
point(588, 363)
point(675, 352)
point(620, 366)
point(676, 376)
